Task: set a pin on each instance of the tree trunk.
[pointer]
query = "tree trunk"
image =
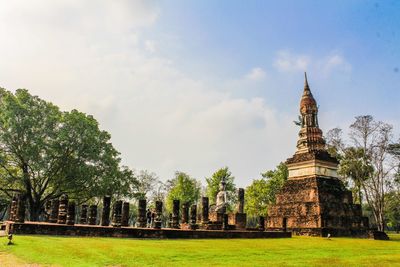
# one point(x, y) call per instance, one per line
point(34, 211)
point(4, 213)
point(34, 204)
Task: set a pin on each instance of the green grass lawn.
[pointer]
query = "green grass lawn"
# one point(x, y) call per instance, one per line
point(297, 251)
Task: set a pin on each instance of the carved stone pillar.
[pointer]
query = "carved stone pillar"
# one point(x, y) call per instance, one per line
point(141, 221)
point(83, 217)
point(157, 220)
point(170, 221)
point(193, 217)
point(20, 209)
point(240, 204)
point(13, 208)
point(185, 212)
point(175, 214)
point(220, 216)
point(225, 225)
point(105, 215)
point(92, 215)
point(71, 213)
point(47, 208)
point(62, 209)
point(204, 210)
point(55, 203)
point(261, 223)
point(117, 212)
point(125, 214)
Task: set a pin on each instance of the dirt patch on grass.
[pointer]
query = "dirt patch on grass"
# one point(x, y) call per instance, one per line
point(9, 260)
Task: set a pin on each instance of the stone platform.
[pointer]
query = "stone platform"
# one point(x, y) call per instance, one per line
point(38, 228)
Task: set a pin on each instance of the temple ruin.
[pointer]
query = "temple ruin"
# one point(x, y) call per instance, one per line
point(314, 201)
point(195, 221)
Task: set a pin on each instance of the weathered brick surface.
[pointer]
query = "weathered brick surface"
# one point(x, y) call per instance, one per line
point(318, 205)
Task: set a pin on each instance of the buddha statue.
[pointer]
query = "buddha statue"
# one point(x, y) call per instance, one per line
point(221, 201)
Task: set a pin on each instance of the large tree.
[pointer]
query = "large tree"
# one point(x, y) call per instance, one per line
point(261, 193)
point(45, 152)
point(367, 160)
point(184, 188)
point(213, 184)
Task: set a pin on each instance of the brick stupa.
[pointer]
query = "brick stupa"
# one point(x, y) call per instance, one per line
point(314, 201)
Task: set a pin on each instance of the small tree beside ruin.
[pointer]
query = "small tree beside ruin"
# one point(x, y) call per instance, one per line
point(367, 161)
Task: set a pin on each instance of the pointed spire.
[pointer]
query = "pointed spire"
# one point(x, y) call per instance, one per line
point(307, 100)
point(306, 82)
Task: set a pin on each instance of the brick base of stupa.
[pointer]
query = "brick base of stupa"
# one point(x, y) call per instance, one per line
point(316, 206)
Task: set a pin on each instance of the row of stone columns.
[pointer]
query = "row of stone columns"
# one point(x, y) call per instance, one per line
point(62, 211)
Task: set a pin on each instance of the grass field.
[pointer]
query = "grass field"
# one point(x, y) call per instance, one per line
point(297, 251)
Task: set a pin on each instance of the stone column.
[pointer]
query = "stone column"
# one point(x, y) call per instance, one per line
point(83, 218)
point(71, 213)
point(204, 210)
point(117, 211)
point(13, 208)
point(185, 212)
point(125, 214)
point(261, 223)
point(175, 214)
point(62, 209)
point(105, 215)
point(20, 209)
point(47, 208)
point(170, 221)
point(220, 216)
point(193, 217)
point(157, 219)
point(240, 204)
point(142, 220)
point(55, 203)
point(225, 225)
point(92, 215)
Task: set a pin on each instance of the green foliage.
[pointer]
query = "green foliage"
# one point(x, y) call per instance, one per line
point(356, 165)
point(261, 193)
point(392, 210)
point(213, 184)
point(184, 188)
point(4, 202)
point(46, 152)
point(394, 150)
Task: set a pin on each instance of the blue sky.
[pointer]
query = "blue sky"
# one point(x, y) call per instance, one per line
point(226, 38)
point(198, 85)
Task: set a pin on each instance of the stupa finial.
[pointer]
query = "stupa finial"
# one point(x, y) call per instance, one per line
point(305, 81)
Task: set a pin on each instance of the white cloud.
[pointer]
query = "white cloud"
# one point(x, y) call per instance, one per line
point(91, 55)
point(325, 65)
point(256, 74)
point(150, 46)
point(335, 62)
point(287, 62)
